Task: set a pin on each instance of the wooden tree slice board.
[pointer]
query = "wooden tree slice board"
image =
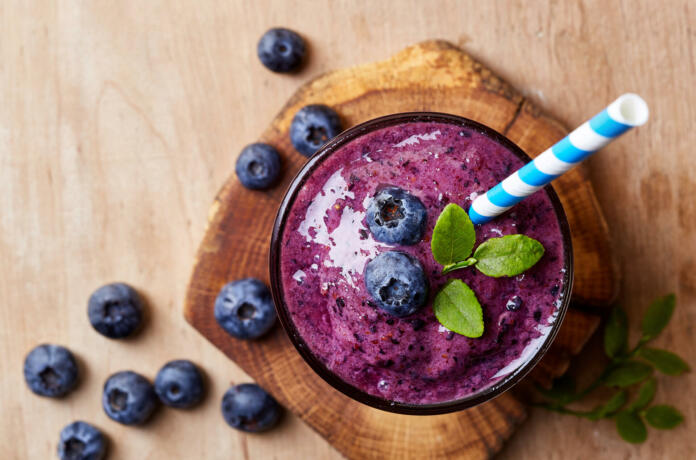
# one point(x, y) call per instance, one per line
point(431, 76)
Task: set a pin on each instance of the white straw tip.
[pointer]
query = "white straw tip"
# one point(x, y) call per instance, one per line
point(629, 109)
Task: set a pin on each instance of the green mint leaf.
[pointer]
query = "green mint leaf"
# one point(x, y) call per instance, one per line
point(457, 308)
point(509, 255)
point(463, 264)
point(561, 392)
point(627, 374)
point(664, 361)
point(630, 427)
point(616, 333)
point(453, 236)
point(645, 395)
point(657, 316)
point(663, 417)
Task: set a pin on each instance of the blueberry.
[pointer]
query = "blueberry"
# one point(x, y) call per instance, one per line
point(514, 303)
point(258, 166)
point(244, 309)
point(115, 310)
point(281, 50)
point(313, 126)
point(394, 216)
point(81, 441)
point(128, 398)
point(397, 283)
point(50, 370)
point(248, 407)
point(179, 384)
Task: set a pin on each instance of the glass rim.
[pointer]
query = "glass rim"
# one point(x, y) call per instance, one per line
point(315, 363)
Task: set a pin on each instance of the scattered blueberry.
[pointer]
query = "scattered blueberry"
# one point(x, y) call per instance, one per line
point(244, 309)
point(50, 370)
point(179, 384)
point(537, 315)
point(394, 216)
point(258, 166)
point(81, 441)
point(248, 407)
point(313, 126)
point(115, 310)
point(514, 303)
point(128, 398)
point(281, 50)
point(397, 282)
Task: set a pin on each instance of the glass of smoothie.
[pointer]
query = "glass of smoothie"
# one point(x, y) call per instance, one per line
point(322, 243)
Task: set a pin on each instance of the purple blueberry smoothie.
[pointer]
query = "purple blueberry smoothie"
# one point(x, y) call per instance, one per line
point(326, 243)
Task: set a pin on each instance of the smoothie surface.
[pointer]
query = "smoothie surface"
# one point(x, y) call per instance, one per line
point(326, 244)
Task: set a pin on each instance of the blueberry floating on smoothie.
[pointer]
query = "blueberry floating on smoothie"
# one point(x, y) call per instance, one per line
point(258, 166)
point(514, 303)
point(312, 127)
point(395, 216)
point(244, 309)
point(397, 283)
point(248, 407)
point(50, 370)
point(115, 310)
point(128, 398)
point(179, 384)
point(281, 50)
point(81, 441)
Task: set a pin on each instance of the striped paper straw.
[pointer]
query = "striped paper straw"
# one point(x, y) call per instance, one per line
point(626, 112)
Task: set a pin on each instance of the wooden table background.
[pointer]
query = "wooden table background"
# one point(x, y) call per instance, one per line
point(119, 121)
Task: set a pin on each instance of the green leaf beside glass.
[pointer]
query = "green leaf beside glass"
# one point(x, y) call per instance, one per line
point(628, 369)
point(663, 417)
point(664, 361)
point(657, 316)
point(616, 333)
point(630, 427)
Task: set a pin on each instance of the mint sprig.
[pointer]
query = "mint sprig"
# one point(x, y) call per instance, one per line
point(454, 238)
point(456, 306)
point(627, 369)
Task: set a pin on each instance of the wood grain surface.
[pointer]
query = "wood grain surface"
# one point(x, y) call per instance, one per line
point(119, 122)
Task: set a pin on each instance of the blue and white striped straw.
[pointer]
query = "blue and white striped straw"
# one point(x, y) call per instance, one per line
point(626, 112)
